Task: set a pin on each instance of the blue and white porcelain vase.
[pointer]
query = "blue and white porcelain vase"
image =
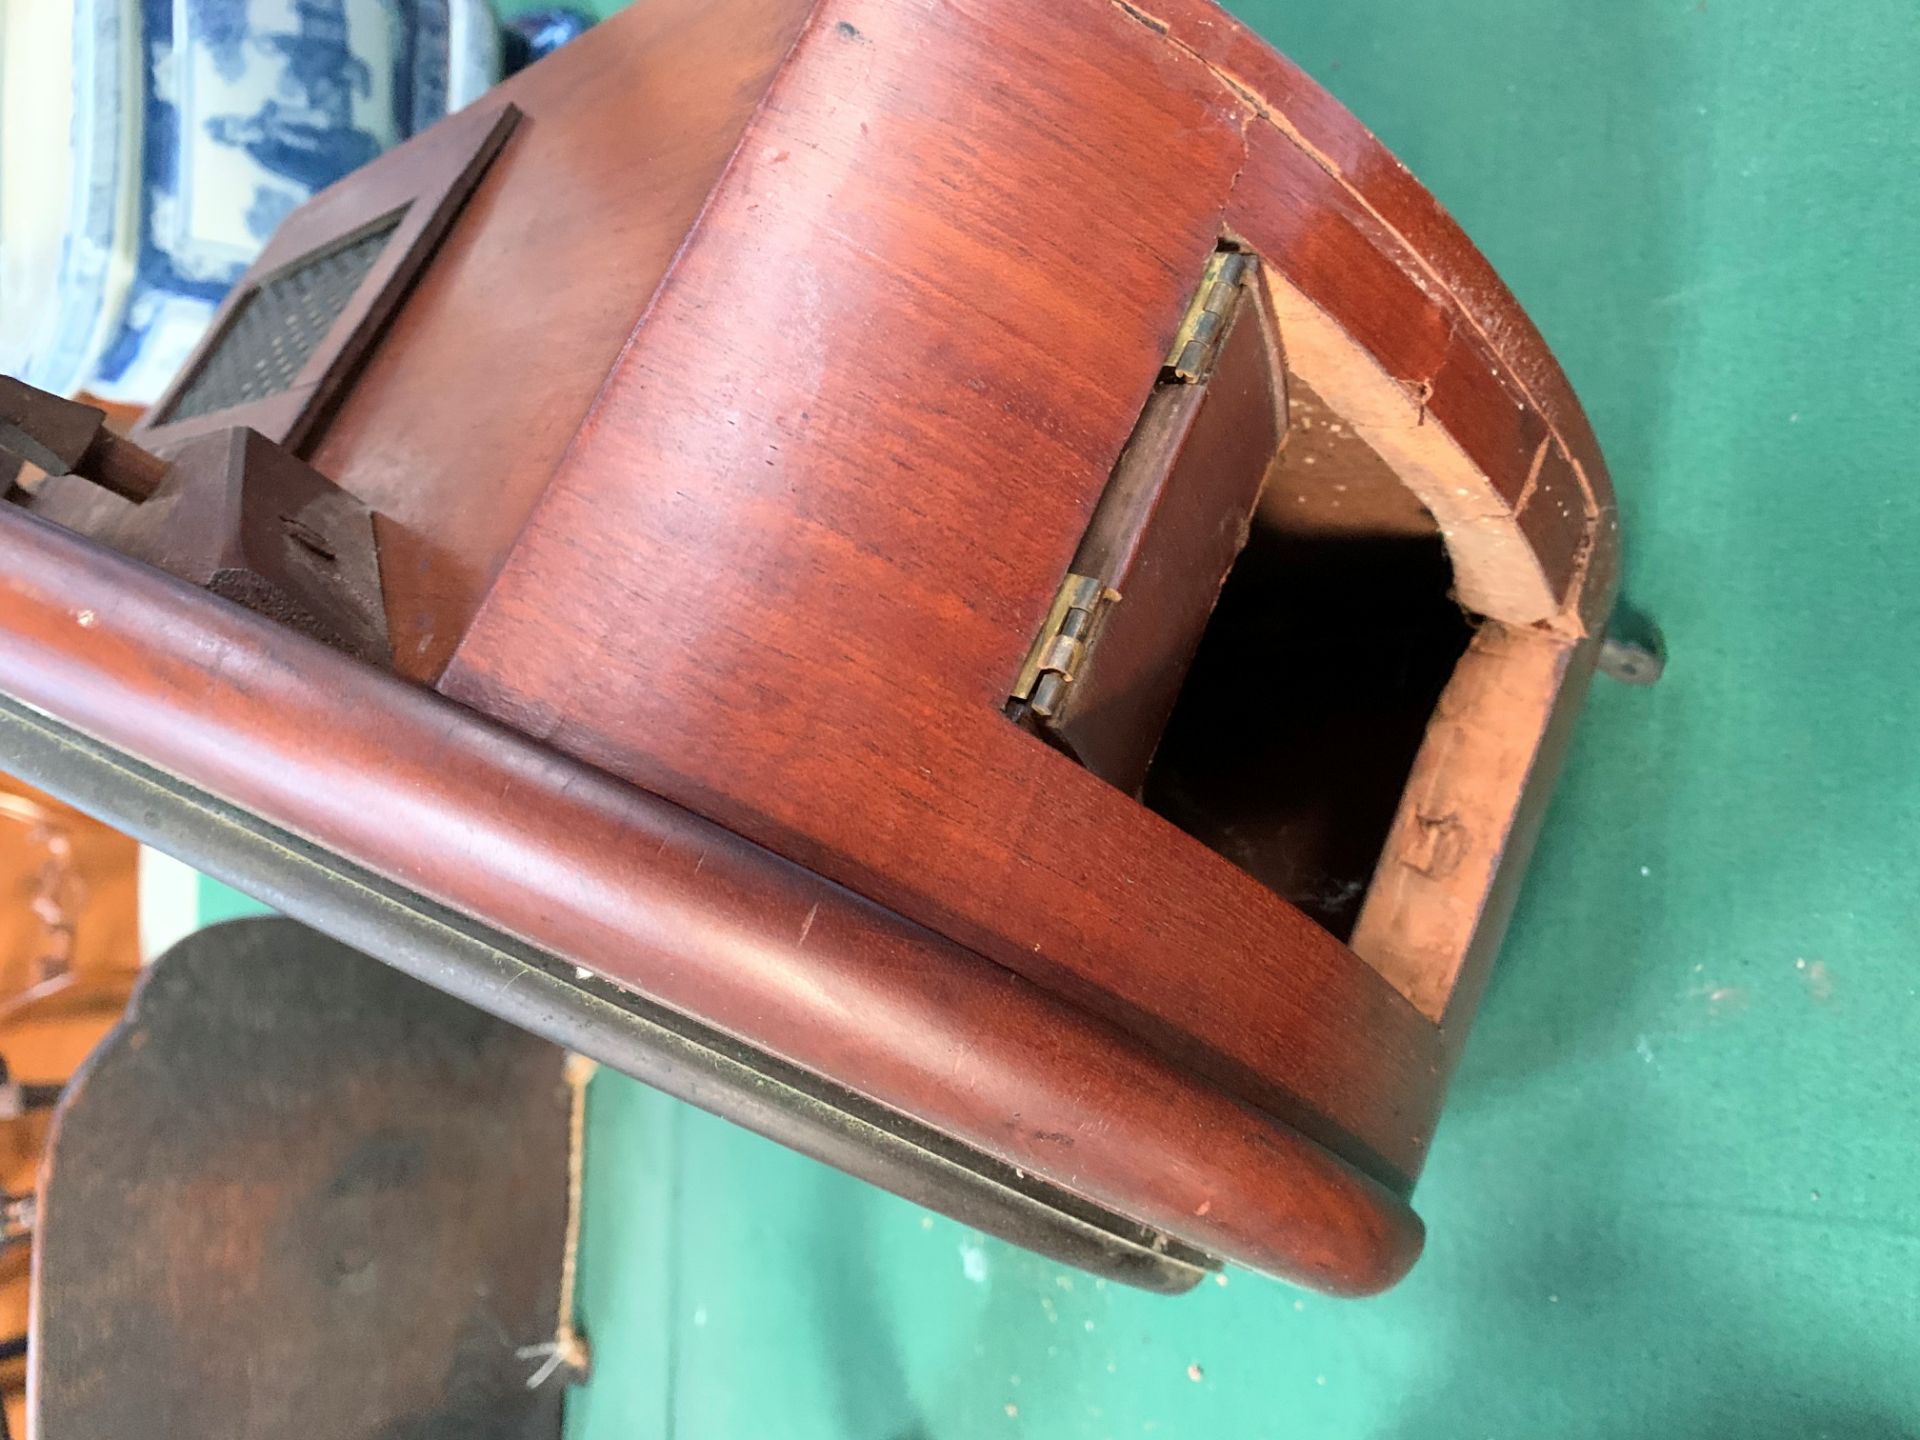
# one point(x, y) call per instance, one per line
point(194, 127)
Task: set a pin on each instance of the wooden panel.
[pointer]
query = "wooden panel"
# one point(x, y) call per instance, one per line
point(1295, 105)
point(955, 247)
point(458, 421)
point(1168, 530)
point(1309, 229)
point(1472, 400)
point(1329, 481)
point(765, 521)
point(1475, 967)
point(1461, 436)
point(1554, 517)
point(1450, 836)
point(666, 904)
point(948, 250)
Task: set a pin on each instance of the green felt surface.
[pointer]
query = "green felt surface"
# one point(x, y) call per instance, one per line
point(220, 903)
point(1675, 1190)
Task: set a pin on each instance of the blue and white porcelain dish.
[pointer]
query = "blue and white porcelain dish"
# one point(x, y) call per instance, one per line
point(195, 126)
point(69, 191)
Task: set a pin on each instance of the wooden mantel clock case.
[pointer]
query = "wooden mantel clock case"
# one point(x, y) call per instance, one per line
point(991, 590)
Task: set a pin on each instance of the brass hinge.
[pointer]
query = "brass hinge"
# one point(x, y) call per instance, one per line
point(1062, 643)
point(1197, 342)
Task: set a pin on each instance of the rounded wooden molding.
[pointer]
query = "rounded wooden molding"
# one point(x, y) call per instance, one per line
point(654, 899)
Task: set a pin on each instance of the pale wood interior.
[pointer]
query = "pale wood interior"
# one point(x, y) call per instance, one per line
point(1363, 718)
point(1442, 854)
point(1438, 867)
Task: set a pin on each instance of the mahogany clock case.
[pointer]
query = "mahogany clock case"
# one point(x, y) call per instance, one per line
point(993, 591)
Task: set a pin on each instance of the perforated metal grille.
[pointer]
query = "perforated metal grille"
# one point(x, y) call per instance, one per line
point(277, 327)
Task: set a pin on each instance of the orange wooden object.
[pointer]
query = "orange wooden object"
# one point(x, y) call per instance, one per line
point(731, 452)
point(69, 954)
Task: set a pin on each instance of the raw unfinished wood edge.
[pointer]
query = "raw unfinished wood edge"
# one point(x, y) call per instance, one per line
point(1449, 836)
point(1429, 898)
point(1496, 572)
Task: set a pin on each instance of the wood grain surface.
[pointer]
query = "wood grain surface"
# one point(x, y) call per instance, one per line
point(795, 606)
point(735, 446)
point(671, 906)
point(457, 423)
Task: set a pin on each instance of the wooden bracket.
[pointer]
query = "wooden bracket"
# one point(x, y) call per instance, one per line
point(228, 510)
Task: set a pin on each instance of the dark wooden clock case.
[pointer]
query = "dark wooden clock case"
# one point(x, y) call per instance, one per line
point(991, 591)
